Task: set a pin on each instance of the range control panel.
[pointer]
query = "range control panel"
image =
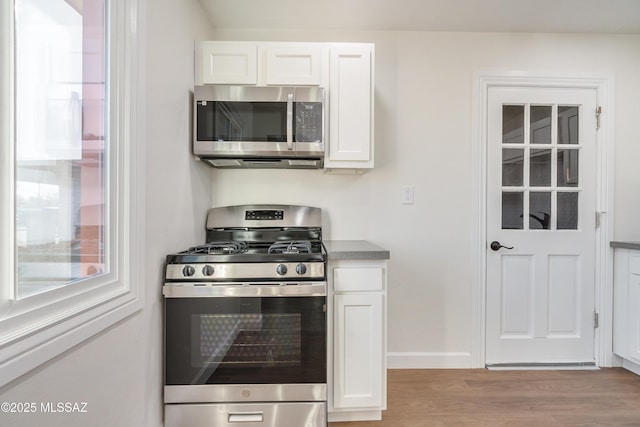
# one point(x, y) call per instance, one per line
point(264, 215)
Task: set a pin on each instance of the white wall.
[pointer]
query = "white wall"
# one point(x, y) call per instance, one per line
point(119, 373)
point(424, 106)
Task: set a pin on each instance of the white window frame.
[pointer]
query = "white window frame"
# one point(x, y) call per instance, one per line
point(38, 328)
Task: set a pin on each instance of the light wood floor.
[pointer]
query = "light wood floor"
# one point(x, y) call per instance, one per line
point(478, 397)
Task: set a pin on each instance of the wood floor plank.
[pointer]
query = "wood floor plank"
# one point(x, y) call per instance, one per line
point(479, 397)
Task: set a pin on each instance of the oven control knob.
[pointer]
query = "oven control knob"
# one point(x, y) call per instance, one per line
point(188, 270)
point(208, 270)
point(281, 269)
point(301, 268)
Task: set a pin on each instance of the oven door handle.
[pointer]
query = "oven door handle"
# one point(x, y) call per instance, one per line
point(246, 417)
point(249, 289)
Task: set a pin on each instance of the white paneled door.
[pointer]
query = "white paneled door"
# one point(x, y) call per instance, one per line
point(541, 225)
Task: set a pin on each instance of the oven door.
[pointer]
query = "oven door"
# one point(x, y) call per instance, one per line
point(246, 343)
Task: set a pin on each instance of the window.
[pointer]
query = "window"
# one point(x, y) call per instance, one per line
point(60, 144)
point(68, 175)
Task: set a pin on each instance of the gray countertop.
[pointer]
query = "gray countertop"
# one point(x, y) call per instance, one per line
point(354, 249)
point(625, 245)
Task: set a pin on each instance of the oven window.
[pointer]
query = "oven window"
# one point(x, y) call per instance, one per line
point(246, 340)
point(235, 340)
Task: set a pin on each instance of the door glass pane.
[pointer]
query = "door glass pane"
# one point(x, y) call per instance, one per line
point(513, 124)
point(568, 125)
point(512, 211)
point(568, 211)
point(539, 210)
point(60, 143)
point(568, 168)
point(540, 124)
point(540, 168)
point(512, 167)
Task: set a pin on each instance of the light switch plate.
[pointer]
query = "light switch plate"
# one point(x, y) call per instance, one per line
point(407, 195)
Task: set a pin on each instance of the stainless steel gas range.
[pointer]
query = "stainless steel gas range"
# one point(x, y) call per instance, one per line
point(245, 321)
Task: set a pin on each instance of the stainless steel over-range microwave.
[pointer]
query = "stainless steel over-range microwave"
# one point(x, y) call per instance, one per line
point(259, 127)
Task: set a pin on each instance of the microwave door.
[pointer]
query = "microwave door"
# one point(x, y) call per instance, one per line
point(257, 127)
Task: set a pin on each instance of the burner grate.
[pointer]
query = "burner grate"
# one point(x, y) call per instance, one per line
point(291, 247)
point(219, 248)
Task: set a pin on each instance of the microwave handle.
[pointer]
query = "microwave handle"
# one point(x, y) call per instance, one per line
point(290, 121)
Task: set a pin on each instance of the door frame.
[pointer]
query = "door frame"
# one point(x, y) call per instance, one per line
point(603, 274)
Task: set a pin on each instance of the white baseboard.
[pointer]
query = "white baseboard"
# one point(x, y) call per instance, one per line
point(631, 366)
point(550, 367)
point(429, 360)
point(354, 416)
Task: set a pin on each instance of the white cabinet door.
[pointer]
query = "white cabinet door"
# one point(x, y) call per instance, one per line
point(351, 106)
point(293, 64)
point(633, 308)
point(621, 302)
point(228, 63)
point(626, 307)
point(358, 279)
point(254, 63)
point(358, 351)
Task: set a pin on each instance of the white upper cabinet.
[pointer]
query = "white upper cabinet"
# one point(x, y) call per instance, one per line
point(227, 63)
point(351, 106)
point(262, 64)
point(292, 63)
point(345, 70)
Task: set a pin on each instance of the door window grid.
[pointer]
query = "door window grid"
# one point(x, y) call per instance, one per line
point(540, 167)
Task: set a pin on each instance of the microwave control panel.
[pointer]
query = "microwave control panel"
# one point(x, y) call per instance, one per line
point(308, 121)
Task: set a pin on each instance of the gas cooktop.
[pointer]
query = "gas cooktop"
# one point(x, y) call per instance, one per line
point(269, 242)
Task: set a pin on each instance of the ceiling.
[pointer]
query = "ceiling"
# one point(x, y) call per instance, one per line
point(566, 16)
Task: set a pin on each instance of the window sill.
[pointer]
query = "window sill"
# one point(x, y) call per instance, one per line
point(29, 351)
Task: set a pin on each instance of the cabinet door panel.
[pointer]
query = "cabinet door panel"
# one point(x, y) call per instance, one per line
point(357, 279)
point(350, 103)
point(621, 303)
point(633, 311)
point(293, 65)
point(229, 63)
point(358, 367)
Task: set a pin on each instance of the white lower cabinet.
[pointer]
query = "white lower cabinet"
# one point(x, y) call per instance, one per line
point(357, 350)
point(626, 310)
